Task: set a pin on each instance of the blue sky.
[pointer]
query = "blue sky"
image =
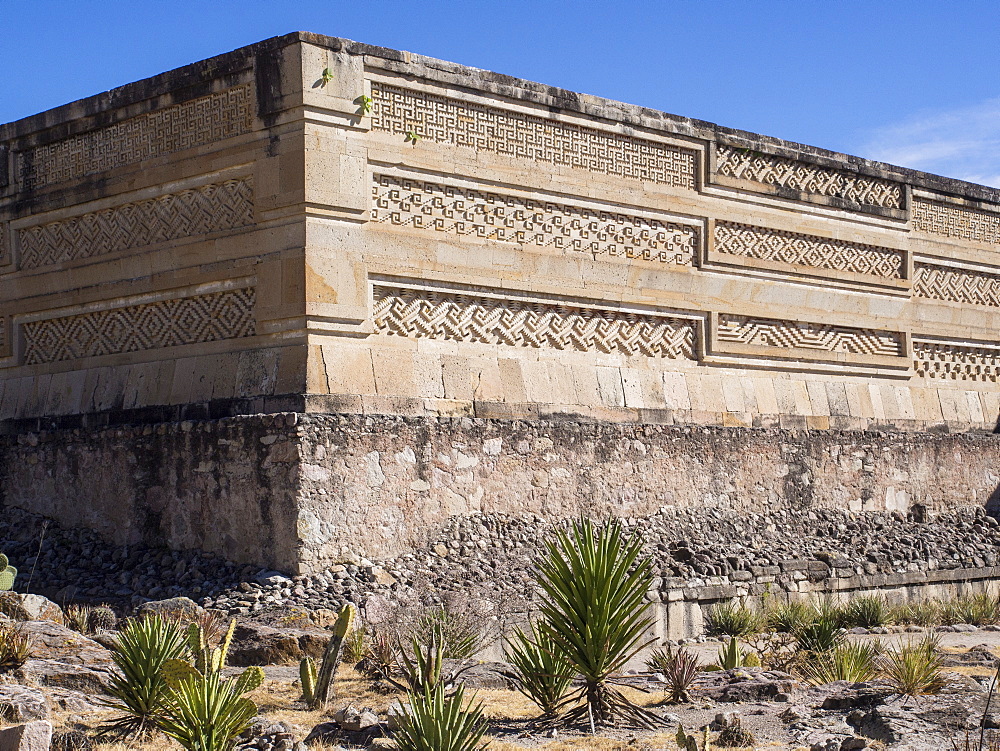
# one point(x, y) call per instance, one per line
point(912, 82)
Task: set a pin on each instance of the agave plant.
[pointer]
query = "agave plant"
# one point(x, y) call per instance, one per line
point(593, 610)
point(788, 617)
point(868, 611)
point(139, 691)
point(15, 647)
point(204, 711)
point(821, 635)
point(439, 720)
point(539, 672)
point(461, 637)
point(855, 662)
point(731, 656)
point(733, 618)
point(914, 668)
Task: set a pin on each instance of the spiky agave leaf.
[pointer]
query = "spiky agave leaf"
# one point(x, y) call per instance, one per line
point(855, 662)
point(594, 611)
point(206, 712)
point(540, 673)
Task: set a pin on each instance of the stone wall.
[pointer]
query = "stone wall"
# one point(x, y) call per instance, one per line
point(301, 491)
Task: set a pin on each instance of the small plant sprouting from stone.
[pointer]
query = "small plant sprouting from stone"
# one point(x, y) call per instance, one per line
point(687, 742)
point(327, 76)
point(364, 105)
point(7, 574)
point(412, 137)
point(78, 617)
point(15, 647)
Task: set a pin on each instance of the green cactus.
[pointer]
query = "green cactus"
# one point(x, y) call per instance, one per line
point(307, 677)
point(331, 658)
point(101, 618)
point(208, 659)
point(7, 574)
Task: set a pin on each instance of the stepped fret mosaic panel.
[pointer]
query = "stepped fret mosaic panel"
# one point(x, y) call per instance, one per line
point(956, 362)
point(457, 317)
point(211, 208)
point(195, 123)
point(514, 134)
point(494, 216)
point(956, 221)
point(744, 164)
point(956, 285)
point(762, 332)
point(807, 250)
point(168, 323)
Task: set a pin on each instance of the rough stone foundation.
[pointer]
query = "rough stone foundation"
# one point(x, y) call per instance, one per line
point(299, 492)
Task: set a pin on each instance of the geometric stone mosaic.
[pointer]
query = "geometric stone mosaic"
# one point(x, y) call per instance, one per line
point(956, 221)
point(468, 318)
point(515, 134)
point(166, 323)
point(209, 208)
point(956, 362)
point(956, 285)
point(744, 164)
point(807, 250)
point(194, 123)
point(494, 216)
point(763, 332)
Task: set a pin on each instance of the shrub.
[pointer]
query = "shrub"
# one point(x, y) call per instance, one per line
point(822, 635)
point(914, 668)
point(461, 637)
point(356, 644)
point(733, 618)
point(594, 610)
point(680, 668)
point(15, 647)
point(140, 651)
point(978, 610)
point(539, 672)
point(855, 662)
point(867, 611)
point(921, 613)
point(441, 721)
point(733, 735)
point(788, 617)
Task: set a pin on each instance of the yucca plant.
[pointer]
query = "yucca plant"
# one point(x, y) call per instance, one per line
point(732, 657)
point(422, 669)
point(540, 673)
point(461, 637)
point(356, 644)
point(855, 662)
point(733, 618)
point(593, 609)
point(978, 610)
point(678, 667)
point(914, 668)
point(868, 611)
point(788, 617)
point(921, 613)
point(822, 635)
point(204, 711)
point(439, 720)
point(139, 691)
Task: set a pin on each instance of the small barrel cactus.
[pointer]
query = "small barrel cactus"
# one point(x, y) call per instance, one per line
point(7, 574)
point(101, 618)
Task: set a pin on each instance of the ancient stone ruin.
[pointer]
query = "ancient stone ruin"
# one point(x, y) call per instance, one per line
point(310, 300)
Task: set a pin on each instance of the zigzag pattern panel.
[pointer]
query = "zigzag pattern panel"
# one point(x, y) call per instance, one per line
point(418, 313)
point(807, 250)
point(762, 332)
point(168, 323)
point(956, 362)
point(744, 164)
point(504, 218)
point(514, 134)
point(195, 123)
point(956, 221)
point(211, 208)
point(956, 285)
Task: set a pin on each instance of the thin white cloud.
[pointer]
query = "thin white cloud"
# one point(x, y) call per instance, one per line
point(962, 143)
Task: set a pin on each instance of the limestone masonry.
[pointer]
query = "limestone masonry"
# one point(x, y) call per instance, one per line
point(516, 285)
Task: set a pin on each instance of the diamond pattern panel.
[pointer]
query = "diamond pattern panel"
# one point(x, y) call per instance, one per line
point(956, 221)
point(807, 250)
point(419, 204)
point(426, 314)
point(744, 164)
point(210, 208)
point(435, 118)
point(195, 123)
point(956, 362)
point(763, 332)
point(168, 323)
point(956, 285)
